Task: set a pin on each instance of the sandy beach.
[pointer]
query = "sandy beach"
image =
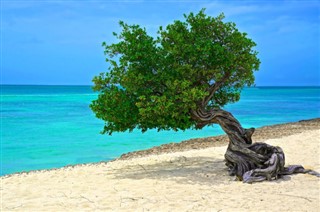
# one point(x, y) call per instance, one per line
point(186, 177)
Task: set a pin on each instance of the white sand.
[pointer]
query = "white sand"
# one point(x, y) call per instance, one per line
point(194, 180)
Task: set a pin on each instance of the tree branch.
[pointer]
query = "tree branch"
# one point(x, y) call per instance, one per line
point(213, 88)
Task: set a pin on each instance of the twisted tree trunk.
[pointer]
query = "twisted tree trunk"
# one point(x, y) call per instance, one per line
point(248, 162)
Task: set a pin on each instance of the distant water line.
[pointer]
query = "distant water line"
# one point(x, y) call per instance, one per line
point(52, 126)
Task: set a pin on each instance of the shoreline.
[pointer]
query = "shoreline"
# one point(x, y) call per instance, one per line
point(260, 134)
point(188, 180)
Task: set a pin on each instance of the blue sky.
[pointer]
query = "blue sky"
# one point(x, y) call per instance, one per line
point(59, 42)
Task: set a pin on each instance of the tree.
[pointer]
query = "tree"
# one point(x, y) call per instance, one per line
point(181, 80)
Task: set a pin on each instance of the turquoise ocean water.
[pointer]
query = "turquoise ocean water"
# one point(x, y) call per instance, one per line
point(52, 126)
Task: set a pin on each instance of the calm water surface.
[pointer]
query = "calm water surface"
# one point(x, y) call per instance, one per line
point(52, 126)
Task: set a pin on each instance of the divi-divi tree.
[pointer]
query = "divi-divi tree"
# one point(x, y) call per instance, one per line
point(181, 79)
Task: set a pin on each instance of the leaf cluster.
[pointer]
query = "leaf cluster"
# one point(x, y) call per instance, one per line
point(201, 62)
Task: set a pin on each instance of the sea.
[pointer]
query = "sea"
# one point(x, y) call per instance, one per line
point(44, 127)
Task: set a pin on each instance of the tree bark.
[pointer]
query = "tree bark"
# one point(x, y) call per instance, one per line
point(249, 162)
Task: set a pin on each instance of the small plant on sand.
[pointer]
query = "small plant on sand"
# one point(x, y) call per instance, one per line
point(182, 79)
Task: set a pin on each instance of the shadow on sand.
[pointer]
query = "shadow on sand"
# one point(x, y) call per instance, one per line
point(183, 170)
point(195, 170)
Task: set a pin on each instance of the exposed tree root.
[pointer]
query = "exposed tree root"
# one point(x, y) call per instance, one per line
point(249, 162)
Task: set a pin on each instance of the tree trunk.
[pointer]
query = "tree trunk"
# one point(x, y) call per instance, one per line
point(249, 162)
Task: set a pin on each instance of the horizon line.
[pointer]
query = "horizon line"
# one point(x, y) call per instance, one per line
point(92, 85)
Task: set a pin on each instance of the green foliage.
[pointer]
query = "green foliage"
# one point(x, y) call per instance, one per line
point(156, 82)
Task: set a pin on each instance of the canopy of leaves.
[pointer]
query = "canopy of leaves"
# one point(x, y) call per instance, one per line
point(201, 62)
